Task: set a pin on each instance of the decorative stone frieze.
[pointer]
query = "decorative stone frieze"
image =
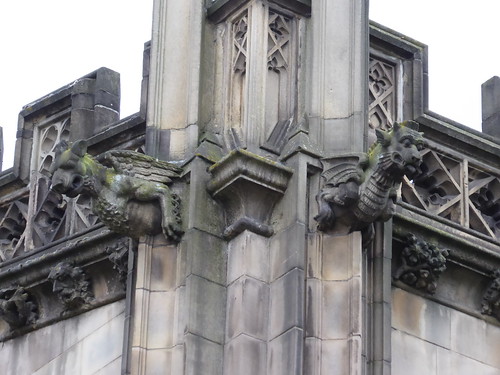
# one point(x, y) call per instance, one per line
point(490, 304)
point(71, 285)
point(17, 307)
point(358, 194)
point(421, 264)
point(248, 186)
point(131, 197)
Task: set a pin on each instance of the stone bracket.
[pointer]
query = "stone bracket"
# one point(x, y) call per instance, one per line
point(248, 187)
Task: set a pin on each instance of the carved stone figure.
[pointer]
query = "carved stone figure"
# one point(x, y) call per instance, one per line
point(17, 307)
point(71, 285)
point(118, 256)
point(358, 194)
point(491, 299)
point(131, 197)
point(422, 263)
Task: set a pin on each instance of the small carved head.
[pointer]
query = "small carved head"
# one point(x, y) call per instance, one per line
point(69, 172)
point(17, 307)
point(403, 145)
point(70, 284)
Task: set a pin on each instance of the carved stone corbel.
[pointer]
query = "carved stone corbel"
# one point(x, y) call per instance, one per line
point(422, 264)
point(248, 187)
point(17, 307)
point(71, 285)
point(491, 299)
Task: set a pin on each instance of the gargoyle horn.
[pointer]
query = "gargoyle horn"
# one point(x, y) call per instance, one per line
point(384, 138)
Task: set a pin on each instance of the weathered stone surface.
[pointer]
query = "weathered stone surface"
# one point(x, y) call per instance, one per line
point(247, 308)
point(450, 363)
point(246, 356)
point(490, 94)
point(162, 315)
point(285, 354)
point(287, 250)
point(91, 342)
point(474, 329)
point(287, 296)
point(412, 356)
point(248, 254)
point(203, 356)
point(206, 302)
point(422, 318)
point(206, 256)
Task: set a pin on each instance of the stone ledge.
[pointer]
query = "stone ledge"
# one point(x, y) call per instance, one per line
point(470, 265)
point(89, 253)
point(219, 10)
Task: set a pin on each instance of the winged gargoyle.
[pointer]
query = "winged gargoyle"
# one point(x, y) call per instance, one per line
point(358, 194)
point(129, 190)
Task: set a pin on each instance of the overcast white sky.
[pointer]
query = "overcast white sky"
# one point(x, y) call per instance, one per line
point(47, 44)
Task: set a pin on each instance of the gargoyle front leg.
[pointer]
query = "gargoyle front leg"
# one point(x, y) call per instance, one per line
point(170, 223)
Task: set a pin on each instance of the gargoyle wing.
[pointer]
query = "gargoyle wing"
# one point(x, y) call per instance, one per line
point(343, 173)
point(135, 164)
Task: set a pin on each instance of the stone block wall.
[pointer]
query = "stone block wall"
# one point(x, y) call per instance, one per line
point(433, 339)
point(90, 343)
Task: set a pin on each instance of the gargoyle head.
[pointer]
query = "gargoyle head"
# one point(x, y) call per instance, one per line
point(71, 168)
point(402, 146)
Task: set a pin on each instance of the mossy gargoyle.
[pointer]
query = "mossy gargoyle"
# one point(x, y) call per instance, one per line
point(129, 190)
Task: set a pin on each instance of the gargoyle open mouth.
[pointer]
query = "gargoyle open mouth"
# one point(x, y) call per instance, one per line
point(412, 171)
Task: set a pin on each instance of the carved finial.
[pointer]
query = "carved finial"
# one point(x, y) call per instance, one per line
point(491, 299)
point(71, 285)
point(17, 307)
point(422, 264)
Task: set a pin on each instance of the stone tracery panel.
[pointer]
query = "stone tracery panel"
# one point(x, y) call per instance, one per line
point(237, 86)
point(13, 218)
point(260, 76)
point(280, 72)
point(48, 208)
point(455, 189)
point(382, 94)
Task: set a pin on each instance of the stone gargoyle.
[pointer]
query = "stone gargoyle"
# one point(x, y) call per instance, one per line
point(358, 194)
point(129, 190)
